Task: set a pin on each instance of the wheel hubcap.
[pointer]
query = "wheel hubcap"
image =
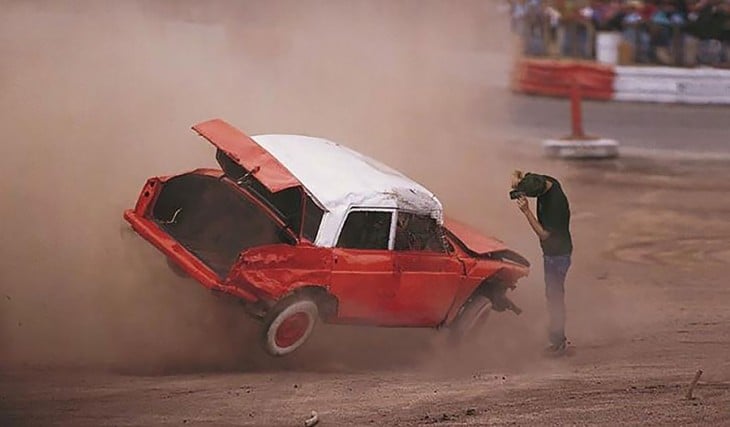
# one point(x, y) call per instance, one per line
point(292, 329)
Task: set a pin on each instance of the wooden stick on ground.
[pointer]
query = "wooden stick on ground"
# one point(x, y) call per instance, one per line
point(693, 384)
point(312, 421)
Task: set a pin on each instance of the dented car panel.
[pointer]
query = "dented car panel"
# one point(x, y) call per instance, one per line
point(277, 270)
point(371, 246)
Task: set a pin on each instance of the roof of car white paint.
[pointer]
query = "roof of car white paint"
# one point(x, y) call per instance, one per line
point(339, 177)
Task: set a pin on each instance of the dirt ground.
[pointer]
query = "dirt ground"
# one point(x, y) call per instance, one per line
point(94, 329)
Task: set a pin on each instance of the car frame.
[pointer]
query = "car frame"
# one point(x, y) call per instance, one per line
point(302, 230)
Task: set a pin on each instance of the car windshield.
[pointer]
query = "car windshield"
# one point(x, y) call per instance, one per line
point(286, 204)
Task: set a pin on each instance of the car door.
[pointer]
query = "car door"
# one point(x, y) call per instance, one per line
point(429, 274)
point(363, 274)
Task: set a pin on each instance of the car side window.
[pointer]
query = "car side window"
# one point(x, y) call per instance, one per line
point(366, 230)
point(419, 233)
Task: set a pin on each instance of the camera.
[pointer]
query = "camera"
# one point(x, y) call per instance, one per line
point(516, 194)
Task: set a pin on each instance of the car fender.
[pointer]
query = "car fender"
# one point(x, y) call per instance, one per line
point(479, 273)
point(274, 271)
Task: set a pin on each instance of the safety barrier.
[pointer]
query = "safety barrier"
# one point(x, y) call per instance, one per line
point(556, 78)
point(623, 83)
point(672, 85)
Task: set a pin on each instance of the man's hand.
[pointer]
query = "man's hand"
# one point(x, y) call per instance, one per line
point(523, 204)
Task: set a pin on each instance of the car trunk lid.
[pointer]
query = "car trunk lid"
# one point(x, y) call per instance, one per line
point(245, 152)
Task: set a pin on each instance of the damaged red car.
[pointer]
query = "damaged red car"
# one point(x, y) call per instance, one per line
point(303, 230)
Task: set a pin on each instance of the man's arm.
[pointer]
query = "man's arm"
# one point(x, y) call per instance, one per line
point(524, 206)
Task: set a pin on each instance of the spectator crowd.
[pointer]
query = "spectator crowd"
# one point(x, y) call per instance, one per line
point(666, 32)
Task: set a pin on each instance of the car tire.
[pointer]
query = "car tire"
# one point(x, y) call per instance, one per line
point(471, 318)
point(289, 324)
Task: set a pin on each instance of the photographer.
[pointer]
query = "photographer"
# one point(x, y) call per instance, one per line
point(552, 226)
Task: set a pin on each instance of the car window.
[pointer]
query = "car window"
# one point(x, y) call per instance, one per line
point(366, 230)
point(418, 233)
point(312, 219)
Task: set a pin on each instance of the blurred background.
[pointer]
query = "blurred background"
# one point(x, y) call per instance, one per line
point(96, 96)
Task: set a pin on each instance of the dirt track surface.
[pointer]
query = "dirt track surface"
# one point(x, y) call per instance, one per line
point(647, 302)
point(94, 329)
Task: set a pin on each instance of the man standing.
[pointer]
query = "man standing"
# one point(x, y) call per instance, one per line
point(552, 226)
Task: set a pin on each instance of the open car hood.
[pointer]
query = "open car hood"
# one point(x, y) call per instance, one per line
point(474, 240)
point(480, 245)
point(245, 152)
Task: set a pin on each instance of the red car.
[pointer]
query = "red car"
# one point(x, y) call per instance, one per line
point(302, 229)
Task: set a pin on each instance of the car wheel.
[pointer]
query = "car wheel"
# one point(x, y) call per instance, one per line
point(473, 315)
point(288, 325)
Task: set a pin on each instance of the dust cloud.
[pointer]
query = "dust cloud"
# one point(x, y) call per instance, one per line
point(98, 96)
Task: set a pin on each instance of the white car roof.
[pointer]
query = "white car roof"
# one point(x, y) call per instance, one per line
point(340, 178)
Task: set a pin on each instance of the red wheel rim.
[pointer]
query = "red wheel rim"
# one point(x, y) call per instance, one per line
point(292, 329)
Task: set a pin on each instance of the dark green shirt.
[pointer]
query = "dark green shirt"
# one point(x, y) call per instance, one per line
point(553, 212)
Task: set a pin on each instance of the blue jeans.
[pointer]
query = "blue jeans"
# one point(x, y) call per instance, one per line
point(556, 268)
